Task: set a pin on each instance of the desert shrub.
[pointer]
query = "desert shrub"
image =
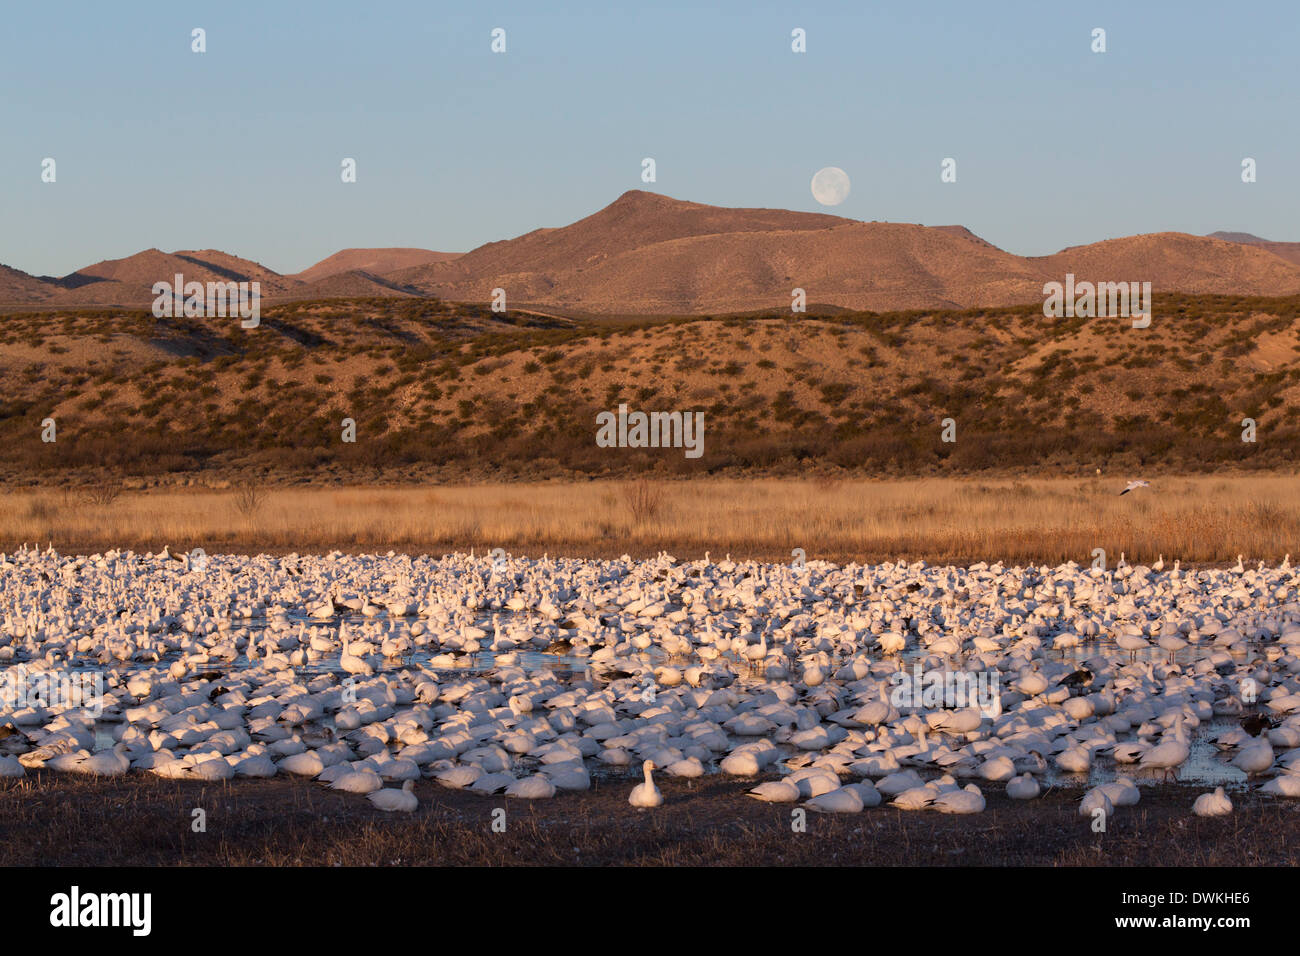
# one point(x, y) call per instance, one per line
point(101, 493)
point(644, 499)
point(248, 497)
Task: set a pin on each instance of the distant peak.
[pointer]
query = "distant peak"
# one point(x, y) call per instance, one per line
point(1244, 238)
point(640, 197)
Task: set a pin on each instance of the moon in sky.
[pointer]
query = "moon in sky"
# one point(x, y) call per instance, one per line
point(830, 186)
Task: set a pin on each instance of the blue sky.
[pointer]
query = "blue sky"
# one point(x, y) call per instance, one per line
point(240, 148)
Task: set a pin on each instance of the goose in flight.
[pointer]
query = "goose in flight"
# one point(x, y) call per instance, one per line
point(1140, 483)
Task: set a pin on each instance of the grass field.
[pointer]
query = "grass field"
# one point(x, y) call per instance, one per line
point(1195, 519)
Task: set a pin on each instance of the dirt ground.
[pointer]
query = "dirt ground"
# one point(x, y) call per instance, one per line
point(141, 820)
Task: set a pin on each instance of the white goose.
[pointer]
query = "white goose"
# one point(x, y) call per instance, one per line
point(396, 801)
point(1172, 751)
point(775, 791)
point(106, 763)
point(1216, 804)
point(1023, 787)
point(351, 664)
point(646, 795)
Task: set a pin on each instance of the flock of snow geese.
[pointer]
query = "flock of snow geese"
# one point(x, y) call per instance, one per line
point(525, 676)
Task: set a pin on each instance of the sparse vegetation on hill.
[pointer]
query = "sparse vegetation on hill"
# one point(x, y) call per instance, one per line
point(438, 389)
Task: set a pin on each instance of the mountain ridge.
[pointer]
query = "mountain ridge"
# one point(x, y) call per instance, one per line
point(647, 253)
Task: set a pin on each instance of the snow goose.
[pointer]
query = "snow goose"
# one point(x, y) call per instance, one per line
point(895, 783)
point(1023, 787)
point(305, 764)
point(1172, 751)
point(1075, 758)
point(843, 800)
point(10, 767)
point(1254, 757)
point(645, 795)
point(916, 798)
point(776, 791)
point(536, 787)
point(106, 763)
point(967, 800)
point(395, 801)
point(490, 783)
point(997, 769)
point(1122, 792)
point(1093, 801)
point(358, 781)
point(1283, 785)
point(1216, 804)
point(460, 777)
point(686, 767)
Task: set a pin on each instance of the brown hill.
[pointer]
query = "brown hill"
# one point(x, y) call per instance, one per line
point(129, 281)
point(373, 261)
point(19, 287)
point(537, 264)
point(651, 254)
point(633, 221)
point(461, 392)
point(1176, 262)
point(352, 284)
point(964, 233)
point(878, 266)
point(233, 267)
point(1290, 251)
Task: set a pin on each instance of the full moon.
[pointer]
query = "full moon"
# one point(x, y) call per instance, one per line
point(830, 186)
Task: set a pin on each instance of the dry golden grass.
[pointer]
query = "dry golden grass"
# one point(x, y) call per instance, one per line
point(1195, 519)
